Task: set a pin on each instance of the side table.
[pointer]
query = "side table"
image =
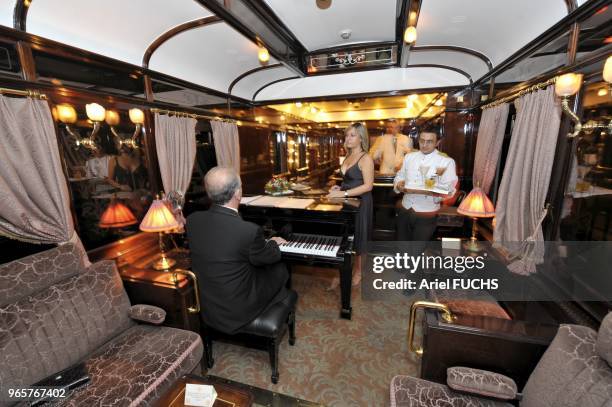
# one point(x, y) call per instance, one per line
point(227, 394)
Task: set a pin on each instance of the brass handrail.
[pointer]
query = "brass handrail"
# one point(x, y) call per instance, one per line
point(27, 93)
point(190, 274)
point(446, 316)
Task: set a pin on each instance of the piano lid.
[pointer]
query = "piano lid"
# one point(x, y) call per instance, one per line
point(308, 204)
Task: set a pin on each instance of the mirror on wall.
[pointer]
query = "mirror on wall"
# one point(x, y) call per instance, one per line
point(278, 151)
point(106, 167)
point(587, 208)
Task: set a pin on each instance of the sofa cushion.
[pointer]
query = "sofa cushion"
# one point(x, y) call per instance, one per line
point(30, 274)
point(54, 328)
point(604, 339)
point(477, 381)
point(137, 367)
point(407, 391)
point(147, 313)
point(570, 373)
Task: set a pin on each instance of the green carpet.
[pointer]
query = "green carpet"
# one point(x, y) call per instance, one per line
point(334, 361)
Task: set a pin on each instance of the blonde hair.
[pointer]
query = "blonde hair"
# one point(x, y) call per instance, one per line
point(362, 131)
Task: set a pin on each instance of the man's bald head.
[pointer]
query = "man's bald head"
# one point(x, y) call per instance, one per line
point(221, 184)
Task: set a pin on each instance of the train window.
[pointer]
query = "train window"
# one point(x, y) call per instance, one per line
point(595, 33)
point(70, 72)
point(9, 60)
point(586, 213)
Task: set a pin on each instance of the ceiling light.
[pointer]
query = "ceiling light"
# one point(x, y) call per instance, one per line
point(607, 71)
point(324, 4)
point(313, 109)
point(263, 55)
point(413, 97)
point(439, 102)
point(602, 92)
point(410, 35)
point(298, 104)
point(412, 18)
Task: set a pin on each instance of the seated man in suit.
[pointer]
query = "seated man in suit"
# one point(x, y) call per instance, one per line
point(239, 273)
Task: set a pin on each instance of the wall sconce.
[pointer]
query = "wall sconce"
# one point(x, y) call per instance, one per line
point(568, 85)
point(96, 113)
point(112, 118)
point(136, 117)
point(67, 115)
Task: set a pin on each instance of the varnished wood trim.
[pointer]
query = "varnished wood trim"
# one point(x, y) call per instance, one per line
point(272, 83)
point(250, 72)
point(173, 32)
point(20, 14)
point(26, 60)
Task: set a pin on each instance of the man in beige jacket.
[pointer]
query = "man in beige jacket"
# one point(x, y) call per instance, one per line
point(389, 149)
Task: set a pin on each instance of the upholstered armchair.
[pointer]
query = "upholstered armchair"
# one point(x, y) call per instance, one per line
point(575, 371)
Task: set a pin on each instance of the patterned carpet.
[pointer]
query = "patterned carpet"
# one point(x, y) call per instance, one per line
point(334, 362)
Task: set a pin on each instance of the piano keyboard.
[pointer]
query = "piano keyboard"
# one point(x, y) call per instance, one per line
point(315, 245)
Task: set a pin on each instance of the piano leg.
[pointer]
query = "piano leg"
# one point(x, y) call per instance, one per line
point(346, 275)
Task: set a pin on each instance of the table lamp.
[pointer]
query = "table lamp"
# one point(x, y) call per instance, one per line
point(116, 215)
point(476, 205)
point(159, 219)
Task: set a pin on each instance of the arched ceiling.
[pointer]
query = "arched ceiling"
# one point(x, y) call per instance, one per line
point(363, 82)
point(215, 55)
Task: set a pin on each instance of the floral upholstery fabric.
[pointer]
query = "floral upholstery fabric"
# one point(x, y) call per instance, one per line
point(481, 382)
point(604, 339)
point(33, 273)
point(137, 367)
point(570, 373)
point(409, 391)
point(147, 313)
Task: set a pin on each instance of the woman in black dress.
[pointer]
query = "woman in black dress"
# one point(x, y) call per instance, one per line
point(357, 181)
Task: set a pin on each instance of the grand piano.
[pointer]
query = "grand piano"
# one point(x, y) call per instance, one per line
point(319, 232)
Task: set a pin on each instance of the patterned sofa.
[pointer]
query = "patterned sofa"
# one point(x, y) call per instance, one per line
point(54, 313)
point(575, 371)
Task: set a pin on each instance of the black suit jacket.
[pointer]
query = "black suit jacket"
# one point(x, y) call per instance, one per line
point(239, 273)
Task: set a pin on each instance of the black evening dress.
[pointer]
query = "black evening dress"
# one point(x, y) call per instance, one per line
point(353, 177)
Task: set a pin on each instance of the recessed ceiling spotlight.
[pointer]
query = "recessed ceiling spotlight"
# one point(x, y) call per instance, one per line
point(324, 4)
point(346, 34)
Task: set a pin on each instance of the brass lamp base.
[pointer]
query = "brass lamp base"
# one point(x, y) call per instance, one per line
point(164, 263)
point(472, 244)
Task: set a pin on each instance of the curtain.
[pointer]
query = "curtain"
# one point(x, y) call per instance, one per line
point(227, 146)
point(34, 198)
point(524, 185)
point(176, 150)
point(489, 144)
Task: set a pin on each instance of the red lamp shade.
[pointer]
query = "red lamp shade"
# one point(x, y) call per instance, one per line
point(158, 218)
point(117, 215)
point(477, 205)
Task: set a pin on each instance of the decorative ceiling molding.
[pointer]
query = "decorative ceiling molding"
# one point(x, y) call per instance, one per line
point(464, 50)
point(272, 83)
point(291, 53)
point(189, 25)
point(250, 72)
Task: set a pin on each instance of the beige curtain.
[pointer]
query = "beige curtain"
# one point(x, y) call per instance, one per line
point(176, 150)
point(34, 198)
point(489, 144)
point(524, 185)
point(227, 147)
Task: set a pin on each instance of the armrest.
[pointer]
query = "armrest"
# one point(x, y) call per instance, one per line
point(481, 382)
point(147, 313)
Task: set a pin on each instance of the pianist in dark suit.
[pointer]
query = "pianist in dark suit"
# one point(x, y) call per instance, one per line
point(239, 272)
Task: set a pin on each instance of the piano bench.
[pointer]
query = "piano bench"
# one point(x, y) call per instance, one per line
point(268, 328)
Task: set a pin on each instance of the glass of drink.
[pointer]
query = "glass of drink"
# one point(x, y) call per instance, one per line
point(424, 169)
point(440, 170)
point(430, 182)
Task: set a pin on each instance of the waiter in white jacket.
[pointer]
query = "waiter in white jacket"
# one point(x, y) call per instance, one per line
point(416, 219)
